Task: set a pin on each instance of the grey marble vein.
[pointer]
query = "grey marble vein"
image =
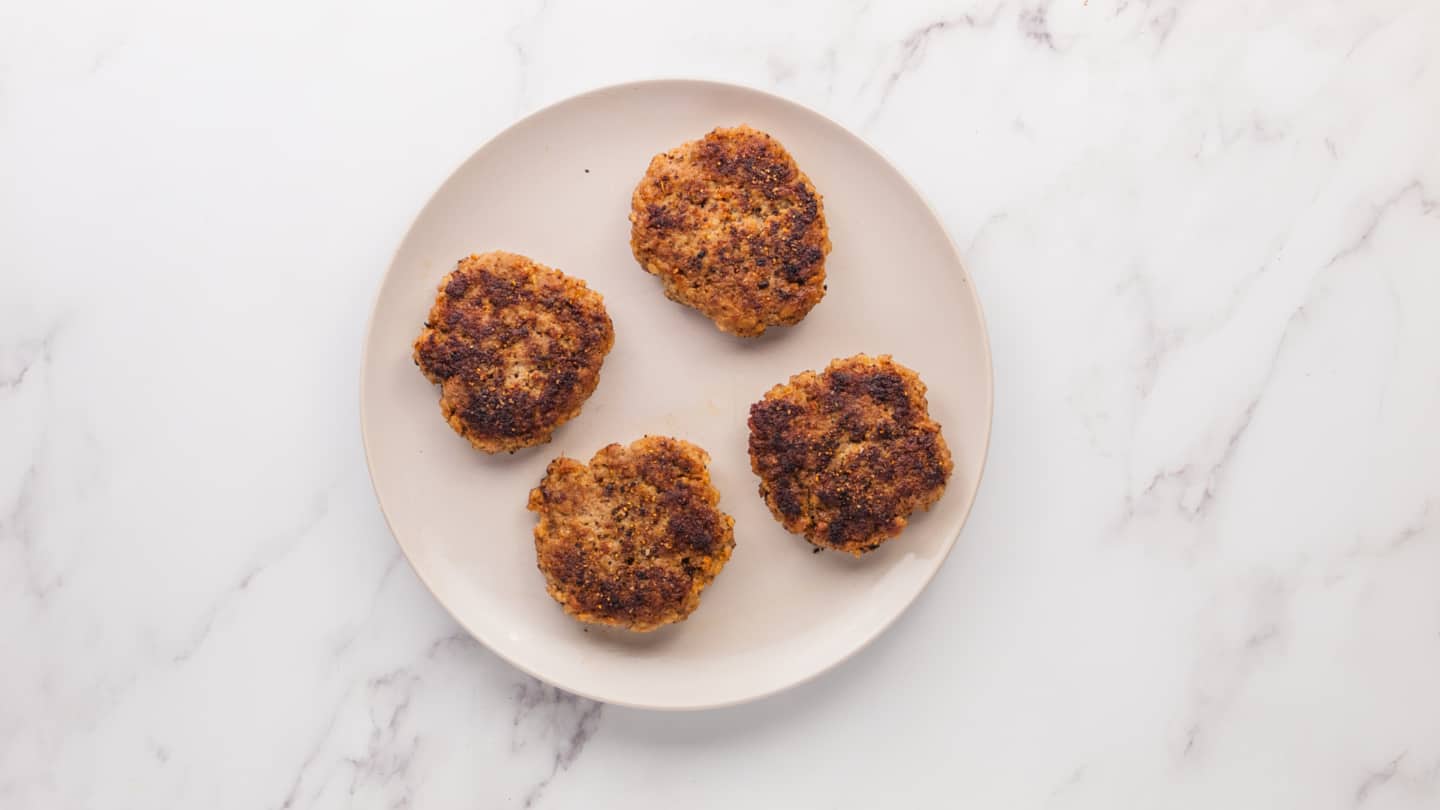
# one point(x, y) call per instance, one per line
point(1414, 188)
point(523, 38)
point(912, 50)
point(1035, 26)
point(288, 542)
point(1376, 780)
point(569, 720)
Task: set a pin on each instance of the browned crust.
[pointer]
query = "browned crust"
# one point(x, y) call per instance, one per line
point(515, 347)
point(632, 539)
point(845, 456)
point(734, 229)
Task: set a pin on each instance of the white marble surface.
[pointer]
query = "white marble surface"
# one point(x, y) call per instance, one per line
point(1204, 568)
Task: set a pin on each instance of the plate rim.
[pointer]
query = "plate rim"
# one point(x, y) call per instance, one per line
point(949, 544)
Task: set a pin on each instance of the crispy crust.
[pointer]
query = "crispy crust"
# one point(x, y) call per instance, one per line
point(844, 457)
point(516, 348)
point(632, 539)
point(734, 229)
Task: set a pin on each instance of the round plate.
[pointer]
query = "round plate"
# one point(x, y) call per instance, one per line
point(556, 187)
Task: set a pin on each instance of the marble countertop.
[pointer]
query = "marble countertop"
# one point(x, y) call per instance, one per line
point(1204, 567)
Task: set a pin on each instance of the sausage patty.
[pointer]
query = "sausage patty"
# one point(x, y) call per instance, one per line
point(515, 347)
point(734, 229)
point(846, 455)
point(632, 539)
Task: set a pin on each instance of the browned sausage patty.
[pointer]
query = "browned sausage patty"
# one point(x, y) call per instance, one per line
point(846, 455)
point(632, 539)
point(515, 347)
point(734, 229)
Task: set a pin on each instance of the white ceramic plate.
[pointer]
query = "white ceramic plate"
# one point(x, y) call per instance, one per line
point(556, 187)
